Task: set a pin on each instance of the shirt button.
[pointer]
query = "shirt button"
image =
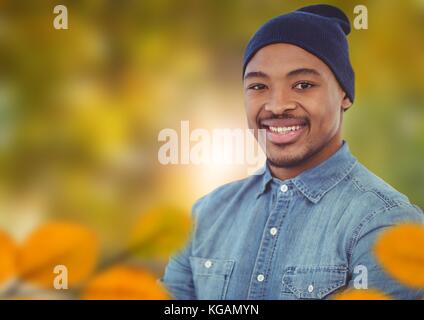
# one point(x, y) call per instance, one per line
point(273, 231)
point(284, 188)
point(260, 277)
point(310, 288)
point(208, 264)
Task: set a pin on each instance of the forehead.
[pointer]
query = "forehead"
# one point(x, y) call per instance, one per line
point(281, 58)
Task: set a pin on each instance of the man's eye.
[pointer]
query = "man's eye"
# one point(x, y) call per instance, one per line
point(303, 85)
point(257, 87)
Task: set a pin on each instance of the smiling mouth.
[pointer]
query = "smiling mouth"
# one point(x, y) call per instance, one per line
point(284, 130)
point(282, 135)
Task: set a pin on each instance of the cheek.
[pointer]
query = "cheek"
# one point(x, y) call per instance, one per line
point(324, 117)
point(252, 107)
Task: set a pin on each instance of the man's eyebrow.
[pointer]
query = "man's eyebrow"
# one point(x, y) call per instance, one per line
point(296, 72)
point(302, 71)
point(255, 74)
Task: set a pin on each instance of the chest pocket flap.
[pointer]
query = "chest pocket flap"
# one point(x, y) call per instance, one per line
point(211, 277)
point(205, 266)
point(313, 282)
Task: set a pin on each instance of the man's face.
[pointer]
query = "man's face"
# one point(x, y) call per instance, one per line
point(297, 99)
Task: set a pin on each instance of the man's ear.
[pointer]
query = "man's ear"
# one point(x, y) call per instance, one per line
point(346, 103)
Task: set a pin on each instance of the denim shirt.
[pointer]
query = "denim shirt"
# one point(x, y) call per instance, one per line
point(300, 238)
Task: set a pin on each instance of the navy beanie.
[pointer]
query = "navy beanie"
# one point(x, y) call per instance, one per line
point(320, 30)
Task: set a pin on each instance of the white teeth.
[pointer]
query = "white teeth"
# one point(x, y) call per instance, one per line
point(284, 129)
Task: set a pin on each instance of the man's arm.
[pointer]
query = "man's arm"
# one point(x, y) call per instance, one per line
point(362, 251)
point(177, 278)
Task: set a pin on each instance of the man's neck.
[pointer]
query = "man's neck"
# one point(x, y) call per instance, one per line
point(284, 173)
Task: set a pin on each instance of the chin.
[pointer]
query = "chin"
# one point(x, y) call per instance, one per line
point(286, 156)
point(288, 162)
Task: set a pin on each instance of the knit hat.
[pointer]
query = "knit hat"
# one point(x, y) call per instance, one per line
point(320, 30)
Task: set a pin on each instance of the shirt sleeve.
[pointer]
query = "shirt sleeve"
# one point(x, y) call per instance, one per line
point(177, 278)
point(362, 255)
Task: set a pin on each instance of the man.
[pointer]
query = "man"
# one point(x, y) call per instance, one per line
point(305, 225)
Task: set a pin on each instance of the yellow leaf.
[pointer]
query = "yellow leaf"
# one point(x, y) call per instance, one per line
point(124, 282)
point(53, 244)
point(159, 232)
point(400, 252)
point(7, 259)
point(361, 294)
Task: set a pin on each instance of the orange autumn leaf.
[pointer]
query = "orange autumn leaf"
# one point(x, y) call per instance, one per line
point(7, 259)
point(124, 283)
point(400, 252)
point(160, 232)
point(361, 294)
point(54, 244)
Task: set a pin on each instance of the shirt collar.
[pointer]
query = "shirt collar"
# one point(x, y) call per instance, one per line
point(266, 177)
point(317, 181)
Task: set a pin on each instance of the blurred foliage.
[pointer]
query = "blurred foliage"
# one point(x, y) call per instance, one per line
point(80, 109)
point(369, 294)
point(159, 232)
point(7, 259)
point(56, 244)
point(123, 282)
point(400, 251)
point(28, 269)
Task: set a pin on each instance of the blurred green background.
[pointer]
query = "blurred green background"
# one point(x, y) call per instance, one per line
point(81, 109)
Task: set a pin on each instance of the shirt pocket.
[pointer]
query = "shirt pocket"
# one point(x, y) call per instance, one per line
point(211, 277)
point(312, 282)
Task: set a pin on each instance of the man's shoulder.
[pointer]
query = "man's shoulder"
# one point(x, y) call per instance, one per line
point(368, 183)
point(227, 192)
point(375, 199)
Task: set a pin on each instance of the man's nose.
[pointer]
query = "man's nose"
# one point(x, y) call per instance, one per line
point(279, 102)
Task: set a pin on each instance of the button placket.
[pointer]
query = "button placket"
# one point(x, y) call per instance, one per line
point(266, 253)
